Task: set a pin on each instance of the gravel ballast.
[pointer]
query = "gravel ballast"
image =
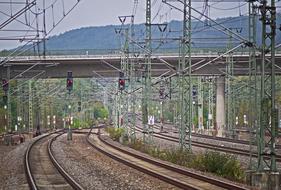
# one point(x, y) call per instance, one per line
point(12, 174)
point(93, 170)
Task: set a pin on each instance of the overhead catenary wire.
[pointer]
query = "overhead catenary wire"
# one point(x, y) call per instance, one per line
point(228, 9)
point(7, 58)
point(38, 40)
point(223, 29)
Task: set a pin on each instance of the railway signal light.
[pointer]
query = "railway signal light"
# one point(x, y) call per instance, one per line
point(5, 85)
point(121, 82)
point(69, 81)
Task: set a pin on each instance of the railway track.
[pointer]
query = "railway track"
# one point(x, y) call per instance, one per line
point(230, 150)
point(42, 169)
point(169, 173)
point(225, 139)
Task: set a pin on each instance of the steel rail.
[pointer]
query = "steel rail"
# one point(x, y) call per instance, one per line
point(160, 164)
point(214, 147)
point(61, 170)
point(27, 165)
point(181, 171)
point(237, 141)
point(28, 173)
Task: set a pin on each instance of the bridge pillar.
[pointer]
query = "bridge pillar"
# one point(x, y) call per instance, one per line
point(220, 105)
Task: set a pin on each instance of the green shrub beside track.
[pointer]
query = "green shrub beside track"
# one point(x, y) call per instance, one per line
point(115, 133)
point(221, 164)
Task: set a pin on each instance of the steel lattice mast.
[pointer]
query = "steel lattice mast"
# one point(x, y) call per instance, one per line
point(132, 82)
point(146, 93)
point(185, 81)
point(30, 107)
point(9, 109)
point(252, 86)
point(124, 68)
point(268, 111)
point(229, 89)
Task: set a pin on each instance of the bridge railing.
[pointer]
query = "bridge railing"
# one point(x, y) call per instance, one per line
point(115, 53)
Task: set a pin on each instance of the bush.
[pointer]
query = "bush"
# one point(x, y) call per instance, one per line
point(218, 163)
point(81, 124)
point(232, 170)
point(214, 162)
point(177, 156)
point(115, 133)
point(137, 145)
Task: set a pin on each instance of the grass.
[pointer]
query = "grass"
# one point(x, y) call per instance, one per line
point(221, 164)
point(115, 133)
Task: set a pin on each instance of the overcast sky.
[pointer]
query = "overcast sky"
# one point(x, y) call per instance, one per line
point(105, 12)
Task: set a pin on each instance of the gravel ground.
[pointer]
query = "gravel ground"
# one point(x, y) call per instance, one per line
point(94, 170)
point(12, 169)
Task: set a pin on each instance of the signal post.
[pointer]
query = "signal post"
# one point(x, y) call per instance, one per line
point(69, 87)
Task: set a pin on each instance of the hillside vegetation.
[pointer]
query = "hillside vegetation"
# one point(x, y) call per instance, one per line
point(105, 38)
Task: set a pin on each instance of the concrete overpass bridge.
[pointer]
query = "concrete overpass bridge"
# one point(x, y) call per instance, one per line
point(85, 66)
point(88, 66)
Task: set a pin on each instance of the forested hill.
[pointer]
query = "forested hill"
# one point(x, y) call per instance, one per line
point(105, 37)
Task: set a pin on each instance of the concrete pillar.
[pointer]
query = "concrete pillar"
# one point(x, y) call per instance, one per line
point(220, 105)
point(200, 105)
point(265, 180)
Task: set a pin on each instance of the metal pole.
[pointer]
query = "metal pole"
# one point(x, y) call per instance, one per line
point(132, 83)
point(125, 69)
point(268, 111)
point(146, 107)
point(253, 107)
point(30, 108)
point(210, 104)
point(200, 105)
point(185, 82)
point(9, 114)
point(229, 89)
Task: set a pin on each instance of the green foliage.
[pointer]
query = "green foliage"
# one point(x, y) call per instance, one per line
point(218, 163)
point(176, 156)
point(77, 123)
point(100, 111)
point(214, 162)
point(232, 170)
point(115, 133)
point(168, 115)
point(102, 39)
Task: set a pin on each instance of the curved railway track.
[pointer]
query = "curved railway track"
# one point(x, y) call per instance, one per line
point(42, 169)
point(169, 173)
point(230, 150)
